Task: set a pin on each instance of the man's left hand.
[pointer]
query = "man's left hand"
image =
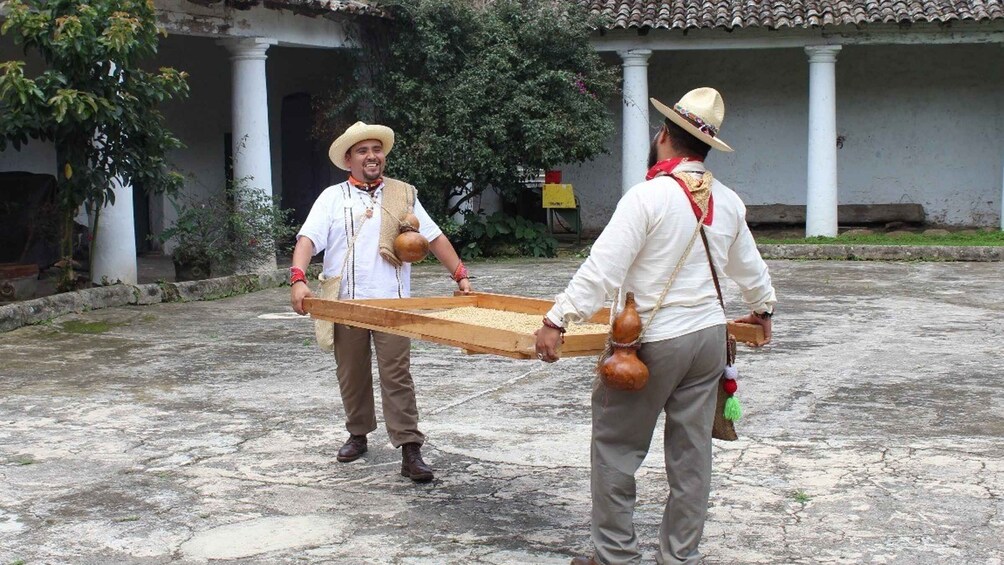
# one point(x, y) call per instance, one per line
point(548, 344)
point(464, 285)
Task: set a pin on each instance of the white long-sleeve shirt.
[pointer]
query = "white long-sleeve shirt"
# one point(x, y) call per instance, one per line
point(335, 218)
point(642, 244)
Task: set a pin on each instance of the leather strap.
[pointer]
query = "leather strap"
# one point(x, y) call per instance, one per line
point(714, 273)
point(730, 343)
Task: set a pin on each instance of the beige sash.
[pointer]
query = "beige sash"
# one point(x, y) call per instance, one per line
point(398, 199)
point(324, 330)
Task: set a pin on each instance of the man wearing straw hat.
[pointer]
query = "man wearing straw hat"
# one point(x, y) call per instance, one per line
point(650, 245)
point(354, 223)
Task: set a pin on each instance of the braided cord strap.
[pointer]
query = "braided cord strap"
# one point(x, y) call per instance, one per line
point(352, 245)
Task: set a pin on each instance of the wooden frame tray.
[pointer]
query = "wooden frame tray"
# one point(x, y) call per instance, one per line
point(404, 317)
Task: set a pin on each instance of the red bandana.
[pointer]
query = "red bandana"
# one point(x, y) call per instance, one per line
point(367, 186)
point(666, 168)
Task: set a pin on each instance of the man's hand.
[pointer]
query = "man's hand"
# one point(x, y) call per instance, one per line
point(464, 285)
point(762, 322)
point(548, 343)
point(299, 291)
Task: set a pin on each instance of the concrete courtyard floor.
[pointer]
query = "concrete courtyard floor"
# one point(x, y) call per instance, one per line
point(207, 431)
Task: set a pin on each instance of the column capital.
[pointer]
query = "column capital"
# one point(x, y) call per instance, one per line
point(247, 47)
point(635, 57)
point(823, 53)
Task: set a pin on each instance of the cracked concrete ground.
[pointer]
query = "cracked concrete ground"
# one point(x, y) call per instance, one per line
point(194, 432)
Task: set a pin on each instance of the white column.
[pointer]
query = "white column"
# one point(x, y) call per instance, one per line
point(821, 199)
point(635, 129)
point(114, 246)
point(114, 230)
point(252, 156)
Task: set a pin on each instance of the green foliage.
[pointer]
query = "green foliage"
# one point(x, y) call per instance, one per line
point(241, 226)
point(483, 95)
point(962, 238)
point(499, 235)
point(800, 496)
point(93, 100)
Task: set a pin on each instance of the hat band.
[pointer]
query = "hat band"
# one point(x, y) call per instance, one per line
point(696, 121)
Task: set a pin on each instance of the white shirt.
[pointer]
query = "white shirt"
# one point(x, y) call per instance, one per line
point(641, 246)
point(336, 216)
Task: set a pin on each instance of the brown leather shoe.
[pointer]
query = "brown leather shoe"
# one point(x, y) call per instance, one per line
point(353, 449)
point(412, 465)
point(584, 561)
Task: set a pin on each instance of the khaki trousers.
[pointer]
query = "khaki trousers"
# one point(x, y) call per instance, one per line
point(397, 389)
point(683, 380)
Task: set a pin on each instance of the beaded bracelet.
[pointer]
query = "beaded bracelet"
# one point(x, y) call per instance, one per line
point(553, 326)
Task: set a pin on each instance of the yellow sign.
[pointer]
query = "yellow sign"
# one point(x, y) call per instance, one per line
point(559, 196)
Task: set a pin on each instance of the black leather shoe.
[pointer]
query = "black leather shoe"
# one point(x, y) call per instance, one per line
point(412, 465)
point(353, 449)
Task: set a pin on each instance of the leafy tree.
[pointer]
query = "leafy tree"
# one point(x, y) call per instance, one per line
point(93, 101)
point(483, 94)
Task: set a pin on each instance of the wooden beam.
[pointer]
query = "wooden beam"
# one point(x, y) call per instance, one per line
point(528, 305)
point(403, 317)
point(747, 333)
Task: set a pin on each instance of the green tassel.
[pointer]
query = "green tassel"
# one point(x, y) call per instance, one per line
point(732, 409)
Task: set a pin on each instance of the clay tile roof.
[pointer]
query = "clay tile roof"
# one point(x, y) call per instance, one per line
point(731, 14)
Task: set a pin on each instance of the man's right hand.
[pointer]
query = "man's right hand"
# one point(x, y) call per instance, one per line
point(764, 323)
point(299, 291)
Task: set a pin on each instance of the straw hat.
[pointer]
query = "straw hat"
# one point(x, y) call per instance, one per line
point(700, 112)
point(357, 132)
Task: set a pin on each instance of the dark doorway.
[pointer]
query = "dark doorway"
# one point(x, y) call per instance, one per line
point(305, 169)
point(141, 218)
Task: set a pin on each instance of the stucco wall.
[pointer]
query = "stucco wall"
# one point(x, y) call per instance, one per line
point(921, 124)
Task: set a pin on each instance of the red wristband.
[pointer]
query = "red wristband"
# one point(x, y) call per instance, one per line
point(296, 275)
point(460, 273)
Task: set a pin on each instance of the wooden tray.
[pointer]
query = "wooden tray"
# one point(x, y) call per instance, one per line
point(404, 317)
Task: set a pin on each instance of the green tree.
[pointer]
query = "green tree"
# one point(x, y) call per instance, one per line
point(482, 94)
point(94, 101)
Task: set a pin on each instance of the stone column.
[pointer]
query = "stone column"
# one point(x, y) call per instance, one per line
point(821, 197)
point(635, 129)
point(114, 246)
point(252, 156)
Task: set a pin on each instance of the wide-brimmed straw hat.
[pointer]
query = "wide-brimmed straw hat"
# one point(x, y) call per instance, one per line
point(700, 112)
point(357, 132)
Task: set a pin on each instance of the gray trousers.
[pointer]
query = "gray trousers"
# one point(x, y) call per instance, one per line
point(683, 380)
point(355, 380)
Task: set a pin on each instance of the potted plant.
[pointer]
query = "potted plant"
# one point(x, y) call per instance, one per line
point(219, 234)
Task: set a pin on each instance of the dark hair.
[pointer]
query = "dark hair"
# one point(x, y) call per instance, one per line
point(684, 142)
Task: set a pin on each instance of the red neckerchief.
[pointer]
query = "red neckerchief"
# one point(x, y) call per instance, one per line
point(666, 168)
point(366, 186)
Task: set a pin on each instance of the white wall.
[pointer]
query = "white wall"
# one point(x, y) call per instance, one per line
point(921, 124)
